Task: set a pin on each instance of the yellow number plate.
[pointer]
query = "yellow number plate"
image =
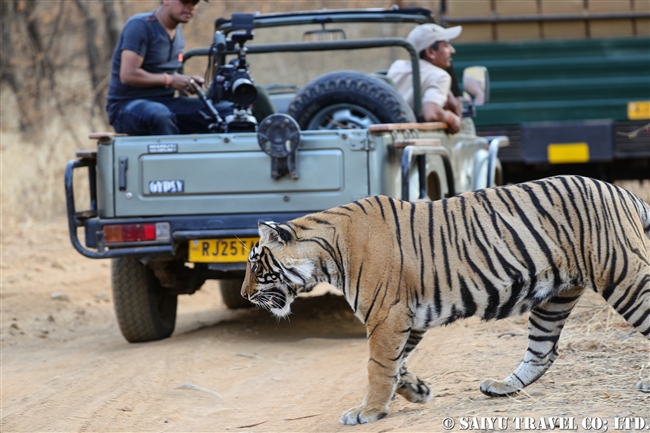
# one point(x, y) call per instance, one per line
point(226, 250)
point(564, 153)
point(638, 110)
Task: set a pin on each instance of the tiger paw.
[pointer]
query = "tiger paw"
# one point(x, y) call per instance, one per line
point(497, 388)
point(361, 415)
point(415, 390)
point(643, 385)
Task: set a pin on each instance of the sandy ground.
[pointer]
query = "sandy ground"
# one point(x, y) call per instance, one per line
point(66, 367)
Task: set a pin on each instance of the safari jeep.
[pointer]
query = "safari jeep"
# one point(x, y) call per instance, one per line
point(174, 211)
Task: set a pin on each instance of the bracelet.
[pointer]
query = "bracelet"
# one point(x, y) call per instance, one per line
point(168, 79)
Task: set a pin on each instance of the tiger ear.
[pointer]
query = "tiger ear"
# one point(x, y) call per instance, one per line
point(271, 232)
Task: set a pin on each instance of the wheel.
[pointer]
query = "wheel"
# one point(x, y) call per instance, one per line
point(145, 310)
point(434, 186)
point(348, 99)
point(498, 174)
point(231, 294)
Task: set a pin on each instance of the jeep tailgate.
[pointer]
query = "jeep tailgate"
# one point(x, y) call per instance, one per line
point(229, 174)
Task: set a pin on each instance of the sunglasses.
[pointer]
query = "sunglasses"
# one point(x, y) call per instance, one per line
point(186, 2)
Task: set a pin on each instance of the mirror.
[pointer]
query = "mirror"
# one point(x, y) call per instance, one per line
point(476, 84)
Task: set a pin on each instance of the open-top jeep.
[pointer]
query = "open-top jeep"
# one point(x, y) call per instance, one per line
point(174, 211)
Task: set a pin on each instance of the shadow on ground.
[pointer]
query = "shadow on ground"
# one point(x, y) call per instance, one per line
point(325, 316)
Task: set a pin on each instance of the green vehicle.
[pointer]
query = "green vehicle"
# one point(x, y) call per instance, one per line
point(569, 106)
point(174, 211)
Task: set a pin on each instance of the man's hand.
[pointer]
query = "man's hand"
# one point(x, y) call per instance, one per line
point(182, 83)
point(435, 113)
point(454, 105)
point(453, 122)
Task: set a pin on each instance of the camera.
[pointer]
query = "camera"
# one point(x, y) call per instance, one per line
point(232, 81)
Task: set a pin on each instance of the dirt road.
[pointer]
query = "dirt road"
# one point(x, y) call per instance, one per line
point(66, 367)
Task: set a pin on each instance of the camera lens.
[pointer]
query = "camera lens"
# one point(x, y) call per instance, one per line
point(243, 91)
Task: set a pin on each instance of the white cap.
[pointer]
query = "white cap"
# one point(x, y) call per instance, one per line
point(425, 35)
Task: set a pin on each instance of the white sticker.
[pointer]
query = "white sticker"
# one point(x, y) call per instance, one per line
point(166, 186)
point(163, 148)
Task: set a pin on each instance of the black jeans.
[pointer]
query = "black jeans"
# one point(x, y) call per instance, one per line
point(180, 115)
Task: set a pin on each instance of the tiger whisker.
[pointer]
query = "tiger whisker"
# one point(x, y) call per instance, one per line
point(243, 244)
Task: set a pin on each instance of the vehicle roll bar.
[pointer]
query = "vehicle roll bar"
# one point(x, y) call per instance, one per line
point(353, 44)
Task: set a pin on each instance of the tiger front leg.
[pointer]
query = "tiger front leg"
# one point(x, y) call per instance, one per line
point(386, 346)
point(545, 325)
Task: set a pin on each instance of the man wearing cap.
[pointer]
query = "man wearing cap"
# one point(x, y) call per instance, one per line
point(143, 81)
point(438, 104)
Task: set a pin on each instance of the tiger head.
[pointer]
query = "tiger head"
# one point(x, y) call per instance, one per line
point(277, 269)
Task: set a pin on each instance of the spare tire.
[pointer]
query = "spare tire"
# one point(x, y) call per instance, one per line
point(348, 99)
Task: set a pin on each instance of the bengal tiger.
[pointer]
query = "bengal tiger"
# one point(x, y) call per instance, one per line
point(494, 253)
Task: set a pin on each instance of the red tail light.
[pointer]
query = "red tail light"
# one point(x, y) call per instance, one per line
point(119, 233)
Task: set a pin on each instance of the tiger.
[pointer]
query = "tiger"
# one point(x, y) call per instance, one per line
point(405, 267)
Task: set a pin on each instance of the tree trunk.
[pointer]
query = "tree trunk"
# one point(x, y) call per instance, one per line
point(92, 53)
point(41, 65)
point(113, 27)
point(8, 72)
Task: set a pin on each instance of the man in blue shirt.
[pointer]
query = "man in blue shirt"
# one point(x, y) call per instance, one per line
point(143, 82)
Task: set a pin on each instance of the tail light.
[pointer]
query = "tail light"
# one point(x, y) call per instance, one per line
point(121, 233)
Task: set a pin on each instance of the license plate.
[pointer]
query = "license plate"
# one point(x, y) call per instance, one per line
point(638, 110)
point(565, 153)
point(225, 250)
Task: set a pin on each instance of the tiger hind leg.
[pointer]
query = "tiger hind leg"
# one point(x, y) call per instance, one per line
point(545, 325)
point(410, 386)
point(634, 305)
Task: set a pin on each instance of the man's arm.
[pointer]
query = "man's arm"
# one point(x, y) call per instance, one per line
point(132, 74)
point(435, 113)
point(454, 105)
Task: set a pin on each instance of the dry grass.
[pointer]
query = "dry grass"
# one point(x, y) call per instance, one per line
point(601, 358)
point(598, 335)
point(32, 172)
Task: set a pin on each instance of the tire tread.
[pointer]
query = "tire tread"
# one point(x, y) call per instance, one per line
point(137, 317)
point(350, 87)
